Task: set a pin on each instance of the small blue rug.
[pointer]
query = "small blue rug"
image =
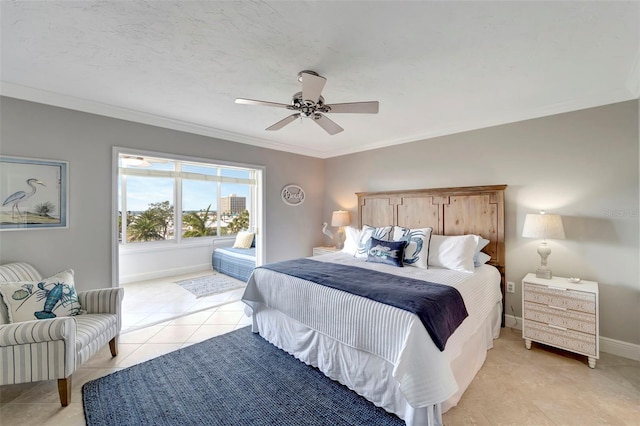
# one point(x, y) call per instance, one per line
point(234, 379)
point(210, 284)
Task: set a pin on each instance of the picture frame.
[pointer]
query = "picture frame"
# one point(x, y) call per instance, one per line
point(34, 193)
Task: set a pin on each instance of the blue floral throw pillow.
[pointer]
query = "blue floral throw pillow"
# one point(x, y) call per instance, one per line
point(389, 252)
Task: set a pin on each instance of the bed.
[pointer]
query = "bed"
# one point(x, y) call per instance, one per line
point(396, 364)
point(234, 262)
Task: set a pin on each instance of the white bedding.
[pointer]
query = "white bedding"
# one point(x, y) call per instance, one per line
point(424, 375)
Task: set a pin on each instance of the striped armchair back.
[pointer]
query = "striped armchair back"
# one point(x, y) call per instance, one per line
point(11, 273)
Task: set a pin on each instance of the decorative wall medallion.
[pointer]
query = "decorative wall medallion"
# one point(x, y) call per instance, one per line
point(293, 195)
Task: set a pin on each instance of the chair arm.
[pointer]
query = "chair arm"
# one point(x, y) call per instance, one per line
point(101, 301)
point(37, 331)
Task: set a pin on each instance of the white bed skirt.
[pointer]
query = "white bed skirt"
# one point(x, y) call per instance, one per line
point(346, 364)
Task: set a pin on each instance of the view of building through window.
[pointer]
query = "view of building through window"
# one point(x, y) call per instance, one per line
point(166, 199)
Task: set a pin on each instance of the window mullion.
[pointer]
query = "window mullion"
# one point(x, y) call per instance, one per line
point(124, 216)
point(218, 199)
point(177, 209)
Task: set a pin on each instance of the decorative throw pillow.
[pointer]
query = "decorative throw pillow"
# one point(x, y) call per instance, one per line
point(389, 252)
point(352, 236)
point(453, 252)
point(48, 298)
point(382, 233)
point(243, 240)
point(417, 251)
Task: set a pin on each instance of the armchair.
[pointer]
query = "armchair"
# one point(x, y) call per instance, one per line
point(48, 349)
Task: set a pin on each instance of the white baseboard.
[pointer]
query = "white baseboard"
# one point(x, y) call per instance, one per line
point(620, 348)
point(513, 322)
point(610, 346)
point(164, 273)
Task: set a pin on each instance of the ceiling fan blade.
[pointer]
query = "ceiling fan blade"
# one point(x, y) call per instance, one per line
point(355, 107)
point(261, 103)
point(312, 86)
point(280, 124)
point(328, 125)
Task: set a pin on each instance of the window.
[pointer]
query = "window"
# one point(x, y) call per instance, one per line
point(162, 199)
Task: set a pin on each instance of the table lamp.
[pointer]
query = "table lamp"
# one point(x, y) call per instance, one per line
point(340, 218)
point(545, 226)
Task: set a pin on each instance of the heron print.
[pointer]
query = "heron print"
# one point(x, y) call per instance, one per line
point(20, 196)
point(33, 193)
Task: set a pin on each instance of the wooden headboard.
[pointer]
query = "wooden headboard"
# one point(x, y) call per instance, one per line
point(449, 211)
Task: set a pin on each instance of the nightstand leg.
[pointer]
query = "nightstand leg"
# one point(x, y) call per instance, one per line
point(527, 343)
point(592, 362)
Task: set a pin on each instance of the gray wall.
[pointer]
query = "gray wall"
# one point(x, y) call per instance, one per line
point(582, 165)
point(86, 140)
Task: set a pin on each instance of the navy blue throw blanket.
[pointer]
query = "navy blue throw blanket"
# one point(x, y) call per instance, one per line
point(439, 307)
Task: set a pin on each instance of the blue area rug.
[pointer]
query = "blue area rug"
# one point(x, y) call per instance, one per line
point(234, 379)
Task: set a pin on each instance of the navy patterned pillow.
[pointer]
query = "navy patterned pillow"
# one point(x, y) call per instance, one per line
point(389, 252)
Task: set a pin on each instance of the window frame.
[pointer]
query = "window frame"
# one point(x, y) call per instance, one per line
point(258, 219)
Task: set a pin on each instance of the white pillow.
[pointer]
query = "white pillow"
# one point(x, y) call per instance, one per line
point(46, 298)
point(453, 252)
point(416, 253)
point(243, 240)
point(352, 236)
point(481, 259)
point(364, 242)
point(482, 243)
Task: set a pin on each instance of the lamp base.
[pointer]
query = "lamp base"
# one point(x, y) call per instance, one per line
point(543, 273)
point(339, 238)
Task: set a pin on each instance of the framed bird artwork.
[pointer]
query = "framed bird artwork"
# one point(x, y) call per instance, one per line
point(34, 193)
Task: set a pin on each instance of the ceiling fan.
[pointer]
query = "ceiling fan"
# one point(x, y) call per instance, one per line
point(309, 103)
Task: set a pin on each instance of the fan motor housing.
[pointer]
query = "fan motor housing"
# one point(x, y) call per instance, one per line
point(306, 107)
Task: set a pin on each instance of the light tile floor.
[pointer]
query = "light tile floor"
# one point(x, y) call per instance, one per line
point(541, 386)
point(154, 301)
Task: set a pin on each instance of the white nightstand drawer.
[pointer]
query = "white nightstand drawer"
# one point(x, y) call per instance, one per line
point(561, 298)
point(561, 317)
point(561, 338)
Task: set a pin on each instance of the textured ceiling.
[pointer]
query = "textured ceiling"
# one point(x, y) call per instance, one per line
point(436, 67)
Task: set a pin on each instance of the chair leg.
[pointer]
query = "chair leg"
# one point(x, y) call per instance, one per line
point(64, 389)
point(113, 345)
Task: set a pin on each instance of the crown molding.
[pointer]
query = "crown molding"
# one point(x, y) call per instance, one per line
point(600, 99)
point(84, 105)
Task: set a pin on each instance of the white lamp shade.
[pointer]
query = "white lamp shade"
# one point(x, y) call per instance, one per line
point(545, 226)
point(340, 218)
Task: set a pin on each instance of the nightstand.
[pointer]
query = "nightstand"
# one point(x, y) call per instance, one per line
point(561, 314)
point(317, 251)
